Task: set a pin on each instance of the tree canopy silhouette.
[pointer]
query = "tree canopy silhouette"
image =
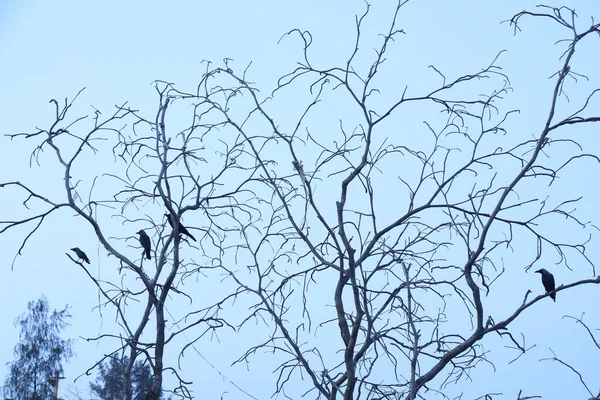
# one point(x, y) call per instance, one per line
point(40, 353)
point(110, 382)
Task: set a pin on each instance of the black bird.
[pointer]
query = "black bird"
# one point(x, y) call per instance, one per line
point(548, 282)
point(182, 229)
point(81, 254)
point(145, 242)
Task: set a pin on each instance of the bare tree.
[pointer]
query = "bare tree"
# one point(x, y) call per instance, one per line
point(569, 366)
point(180, 173)
point(421, 222)
point(400, 229)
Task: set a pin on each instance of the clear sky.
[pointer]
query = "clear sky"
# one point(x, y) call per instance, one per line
point(116, 49)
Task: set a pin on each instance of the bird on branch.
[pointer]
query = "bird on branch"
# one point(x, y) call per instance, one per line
point(182, 229)
point(81, 254)
point(548, 282)
point(145, 242)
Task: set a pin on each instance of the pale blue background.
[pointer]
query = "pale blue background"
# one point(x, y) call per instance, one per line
point(51, 49)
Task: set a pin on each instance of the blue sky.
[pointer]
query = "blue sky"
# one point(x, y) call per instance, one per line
point(52, 49)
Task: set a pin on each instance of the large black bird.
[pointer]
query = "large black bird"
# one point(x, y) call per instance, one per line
point(145, 242)
point(548, 282)
point(182, 229)
point(81, 254)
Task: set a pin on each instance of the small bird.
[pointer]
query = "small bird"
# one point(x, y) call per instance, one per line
point(548, 282)
point(145, 242)
point(182, 229)
point(81, 254)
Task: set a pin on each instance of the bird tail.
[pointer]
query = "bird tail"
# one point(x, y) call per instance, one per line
point(148, 254)
point(192, 237)
point(553, 296)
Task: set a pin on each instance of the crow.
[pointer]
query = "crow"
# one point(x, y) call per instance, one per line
point(145, 242)
point(548, 282)
point(182, 229)
point(81, 254)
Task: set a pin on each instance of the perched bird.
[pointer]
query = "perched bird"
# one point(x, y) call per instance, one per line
point(81, 254)
point(548, 282)
point(182, 229)
point(145, 242)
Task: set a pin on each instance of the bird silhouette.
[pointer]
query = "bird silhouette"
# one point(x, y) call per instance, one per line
point(81, 254)
point(182, 229)
point(548, 282)
point(145, 242)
